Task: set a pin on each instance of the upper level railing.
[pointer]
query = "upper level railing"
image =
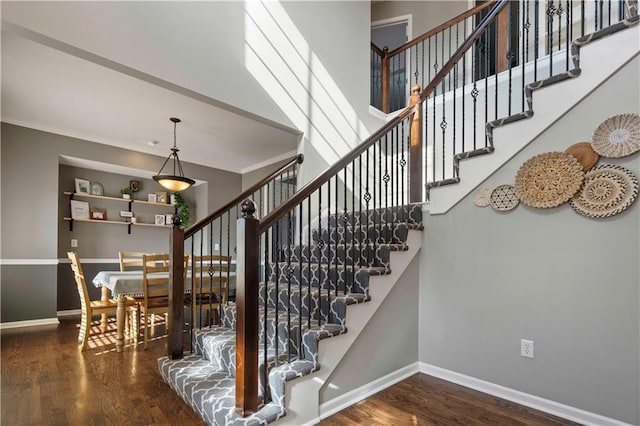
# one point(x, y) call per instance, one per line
point(489, 81)
point(418, 60)
point(528, 31)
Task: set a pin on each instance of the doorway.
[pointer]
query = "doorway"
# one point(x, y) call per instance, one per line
point(391, 33)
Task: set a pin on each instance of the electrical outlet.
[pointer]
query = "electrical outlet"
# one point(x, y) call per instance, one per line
point(74, 242)
point(216, 247)
point(526, 348)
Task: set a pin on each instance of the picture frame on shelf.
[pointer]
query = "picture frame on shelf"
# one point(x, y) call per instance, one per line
point(82, 186)
point(79, 209)
point(168, 219)
point(151, 198)
point(96, 213)
point(161, 197)
point(96, 189)
point(160, 219)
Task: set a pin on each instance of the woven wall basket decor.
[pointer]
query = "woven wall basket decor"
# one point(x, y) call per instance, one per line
point(503, 198)
point(482, 196)
point(608, 190)
point(584, 153)
point(617, 136)
point(549, 179)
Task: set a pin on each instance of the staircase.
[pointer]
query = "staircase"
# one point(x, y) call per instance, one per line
point(305, 300)
point(338, 245)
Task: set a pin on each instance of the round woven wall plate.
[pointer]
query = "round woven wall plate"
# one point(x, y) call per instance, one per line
point(482, 196)
point(617, 136)
point(549, 179)
point(503, 198)
point(584, 153)
point(607, 191)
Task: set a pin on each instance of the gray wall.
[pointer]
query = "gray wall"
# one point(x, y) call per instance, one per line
point(254, 176)
point(569, 283)
point(33, 234)
point(388, 343)
point(425, 14)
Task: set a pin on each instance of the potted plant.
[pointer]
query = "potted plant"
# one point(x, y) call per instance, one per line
point(126, 193)
point(182, 209)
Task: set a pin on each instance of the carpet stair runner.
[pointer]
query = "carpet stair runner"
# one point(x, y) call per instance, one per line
point(306, 300)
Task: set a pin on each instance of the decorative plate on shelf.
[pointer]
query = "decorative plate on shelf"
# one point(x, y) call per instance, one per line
point(607, 191)
point(96, 188)
point(549, 179)
point(584, 153)
point(482, 196)
point(617, 136)
point(503, 198)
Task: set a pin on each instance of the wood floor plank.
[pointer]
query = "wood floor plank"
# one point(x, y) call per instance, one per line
point(426, 400)
point(46, 380)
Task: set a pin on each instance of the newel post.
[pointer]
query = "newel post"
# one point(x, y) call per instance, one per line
point(415, 147)
point(176, 290)
point(385, 80)
point(247, 311)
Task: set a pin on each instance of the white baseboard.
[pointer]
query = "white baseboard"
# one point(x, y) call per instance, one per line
point(28, 323)
point(348, 399)
point(557, 409)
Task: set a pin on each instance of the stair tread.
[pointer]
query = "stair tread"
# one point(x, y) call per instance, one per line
point(373, 270)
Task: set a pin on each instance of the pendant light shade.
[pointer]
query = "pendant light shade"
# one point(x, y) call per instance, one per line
point(176, 181)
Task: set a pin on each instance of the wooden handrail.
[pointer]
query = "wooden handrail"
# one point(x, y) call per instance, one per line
point(376, 49)
point(477, 32)
point(307, 189)
point(451, 22)
point(239, 198)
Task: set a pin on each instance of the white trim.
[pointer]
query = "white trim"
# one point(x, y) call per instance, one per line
point(536, 402)
point(28, 323)
point(381, 115)
point(70, 313)
point(29, 261)
point(268, 162)
point(348, 399)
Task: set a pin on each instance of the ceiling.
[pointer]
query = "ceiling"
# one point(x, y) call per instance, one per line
point(51, 86)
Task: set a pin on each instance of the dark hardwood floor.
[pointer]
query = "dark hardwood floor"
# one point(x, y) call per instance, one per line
point(46, 380)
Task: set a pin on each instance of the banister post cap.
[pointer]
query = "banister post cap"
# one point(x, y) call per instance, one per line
point(248, 208)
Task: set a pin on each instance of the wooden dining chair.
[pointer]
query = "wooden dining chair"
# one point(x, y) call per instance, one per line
point(130, 260)
point(155, 284)
point(210, 276)
point(89, 307)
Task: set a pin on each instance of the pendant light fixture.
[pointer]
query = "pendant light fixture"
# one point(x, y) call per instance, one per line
point(177, 181)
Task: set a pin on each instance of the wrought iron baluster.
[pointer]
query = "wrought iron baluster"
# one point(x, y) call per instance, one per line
point(496, 65)
point(524, 51)
point(551, 9)
point(310, 242)
point(569, 32)
point(403, 162)
point(321, 244)
point(300, 247)
point(510, 57)
point(345, 220)
point(536, 28)
point(422, 63)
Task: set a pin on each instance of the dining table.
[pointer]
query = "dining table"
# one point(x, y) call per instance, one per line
point(122, 284)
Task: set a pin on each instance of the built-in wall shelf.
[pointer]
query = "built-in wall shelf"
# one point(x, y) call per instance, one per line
point(124, 200)
point(115, 222)
point(100, 199)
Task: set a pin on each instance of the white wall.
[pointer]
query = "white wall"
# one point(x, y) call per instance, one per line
point(569, 283)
